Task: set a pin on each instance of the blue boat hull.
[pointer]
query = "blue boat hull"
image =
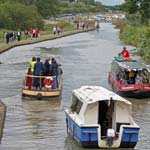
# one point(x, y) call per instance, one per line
point(88, 136)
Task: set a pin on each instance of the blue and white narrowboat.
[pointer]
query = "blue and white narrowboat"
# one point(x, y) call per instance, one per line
point(100, 118)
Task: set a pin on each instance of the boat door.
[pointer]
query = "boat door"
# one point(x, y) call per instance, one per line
point(105, 115)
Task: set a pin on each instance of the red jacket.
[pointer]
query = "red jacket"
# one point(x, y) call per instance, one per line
point(125, 53)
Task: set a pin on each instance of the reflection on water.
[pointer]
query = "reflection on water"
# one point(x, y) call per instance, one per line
point(85, 59)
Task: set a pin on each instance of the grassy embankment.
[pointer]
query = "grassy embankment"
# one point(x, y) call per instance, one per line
point(136, 35)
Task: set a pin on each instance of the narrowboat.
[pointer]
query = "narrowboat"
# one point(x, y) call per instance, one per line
point(129, 78)
point(100, 118)
point(48, 87)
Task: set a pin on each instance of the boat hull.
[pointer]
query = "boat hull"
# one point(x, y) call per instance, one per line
point(88, 136)
point(130, 90)
point(37, 94)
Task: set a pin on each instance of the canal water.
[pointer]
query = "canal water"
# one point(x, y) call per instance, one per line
point(85, 59)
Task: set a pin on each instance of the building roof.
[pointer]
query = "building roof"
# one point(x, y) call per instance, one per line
point(132, 65)
point(92, 94)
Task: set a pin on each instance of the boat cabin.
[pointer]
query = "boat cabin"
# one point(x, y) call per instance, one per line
point(130, 75)
point(93, 111)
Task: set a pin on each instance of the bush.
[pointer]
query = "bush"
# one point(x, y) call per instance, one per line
point(138, 36)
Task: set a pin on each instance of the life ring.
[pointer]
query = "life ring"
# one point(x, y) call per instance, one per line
point(48, 82)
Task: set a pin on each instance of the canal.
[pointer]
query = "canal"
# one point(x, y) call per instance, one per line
point(85, 59)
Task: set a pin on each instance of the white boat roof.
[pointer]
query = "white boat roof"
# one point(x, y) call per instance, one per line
point(92, 94)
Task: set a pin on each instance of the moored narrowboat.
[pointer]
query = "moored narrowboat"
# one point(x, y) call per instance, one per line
point(130, 78)
point(100, 118)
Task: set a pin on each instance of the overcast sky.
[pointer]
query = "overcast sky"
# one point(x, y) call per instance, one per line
point(111, 2)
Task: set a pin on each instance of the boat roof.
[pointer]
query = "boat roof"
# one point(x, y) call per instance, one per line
point(92, 94)
point(132, 65)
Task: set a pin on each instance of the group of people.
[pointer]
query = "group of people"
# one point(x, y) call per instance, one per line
point(58, 29)
point(82, 24)
point(134, 77)
point(12, 36)
point(32, 33)
point(38, 68)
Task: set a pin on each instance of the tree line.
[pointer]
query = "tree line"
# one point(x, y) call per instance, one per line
point(24, 14)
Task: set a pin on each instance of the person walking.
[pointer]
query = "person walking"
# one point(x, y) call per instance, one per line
point(7, 37)
point(19, 35)
point(26, 34)
point(54, 30)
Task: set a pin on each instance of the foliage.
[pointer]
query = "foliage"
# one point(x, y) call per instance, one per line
point(81, 6)
point(142, 7)
point(18, 16)
point(144, 46)
point(48, 8)
point(138, 36)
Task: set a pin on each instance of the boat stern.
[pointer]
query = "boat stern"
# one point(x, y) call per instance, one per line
point(129, 137)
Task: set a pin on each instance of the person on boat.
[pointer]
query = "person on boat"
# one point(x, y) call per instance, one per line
point(138, 79)
point(145, 76)
point(46, 67)
point(131, 77)
point(38, 71)
point(54, 72)
point(29, 79)
point(32, 63)
point(125, 53)
point(119, 57)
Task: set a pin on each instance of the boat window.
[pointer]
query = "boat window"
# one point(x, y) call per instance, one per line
point(79, 105)
point(114, 68)
point(76, 105)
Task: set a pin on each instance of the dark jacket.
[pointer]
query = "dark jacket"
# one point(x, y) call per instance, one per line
point(54, 68)
point(46, 68)
point(38, 68)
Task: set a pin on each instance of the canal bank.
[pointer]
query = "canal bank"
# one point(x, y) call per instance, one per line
point(4, 47)
point(2, 118)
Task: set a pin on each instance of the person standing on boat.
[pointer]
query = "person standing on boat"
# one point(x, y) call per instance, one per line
point(38, 71)
point(125, 53)
point(32, 64)
point(46, 67)
point(54, 72)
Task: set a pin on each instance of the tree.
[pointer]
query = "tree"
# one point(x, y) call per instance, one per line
point(145, 11)
point(48, 8)
point(18, 16)
point(141, 7)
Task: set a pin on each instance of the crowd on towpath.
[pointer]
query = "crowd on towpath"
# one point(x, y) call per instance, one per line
point(27, 37)
point(13, 36)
